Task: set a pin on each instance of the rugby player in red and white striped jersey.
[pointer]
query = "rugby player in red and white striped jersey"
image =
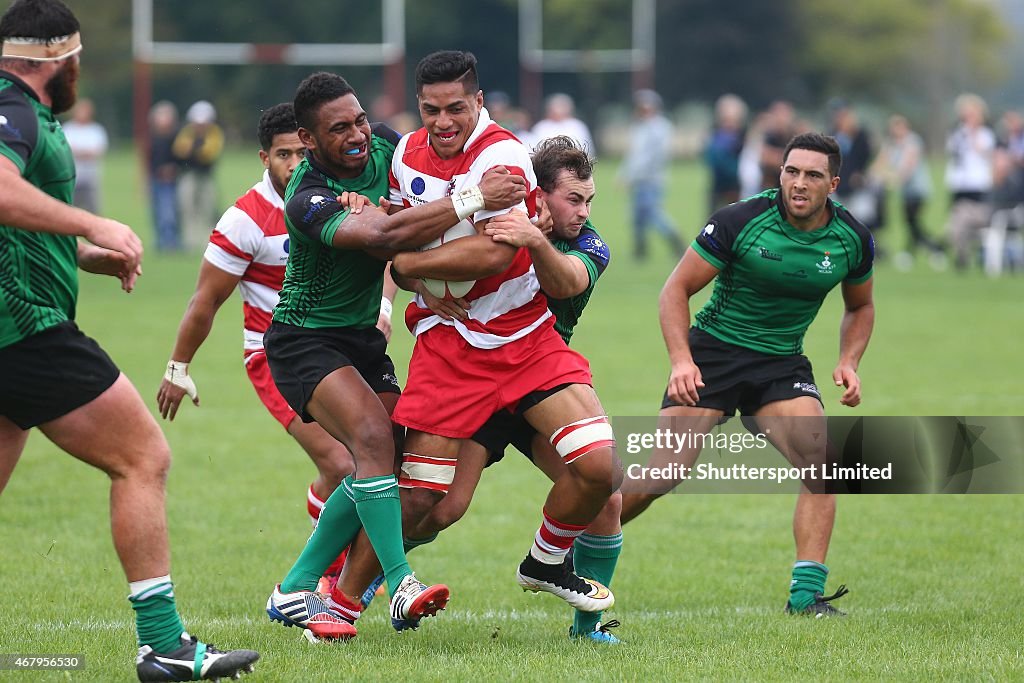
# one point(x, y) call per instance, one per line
point(248, 250)
point(506, 354)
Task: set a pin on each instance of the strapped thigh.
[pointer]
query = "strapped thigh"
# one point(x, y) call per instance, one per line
point(427, 472)
point(576, 439)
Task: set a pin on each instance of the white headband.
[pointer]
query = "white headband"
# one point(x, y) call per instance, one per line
point(43, 49)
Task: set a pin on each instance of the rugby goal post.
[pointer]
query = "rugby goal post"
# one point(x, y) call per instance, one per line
point(535, 60)
point(389, 53)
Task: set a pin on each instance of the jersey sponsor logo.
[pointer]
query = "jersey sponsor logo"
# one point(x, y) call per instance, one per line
point(418, 185)
point(825, 265)
point(707, 232)
point(807, 388)
point(451, 187)
point(797, 273)
point(593, 245)
point(769, 254)
point(8, 129)
point(286, 245)
point(316, 203)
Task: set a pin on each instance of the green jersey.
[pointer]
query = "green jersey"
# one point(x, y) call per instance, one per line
point(593, 251)
point(325, 286)
point(38, 270)
point(774, 277)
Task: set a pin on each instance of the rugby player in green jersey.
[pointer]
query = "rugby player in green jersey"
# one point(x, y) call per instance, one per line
point(774, 257)
point(54, 376)
point(327, 356)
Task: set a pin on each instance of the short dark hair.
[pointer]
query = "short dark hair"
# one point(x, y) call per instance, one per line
point(817, 142)
point(448, 66)
point(316, 90)
point(34, 19)
point(559, 153)
point(37, 19)
point(277, 120)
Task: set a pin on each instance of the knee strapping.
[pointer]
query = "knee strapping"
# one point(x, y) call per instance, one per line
point(427, 472)
point(576, 439)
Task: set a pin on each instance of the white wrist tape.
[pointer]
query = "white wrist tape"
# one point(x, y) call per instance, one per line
point(468, 202)
point(386, 307)
point(177, 374)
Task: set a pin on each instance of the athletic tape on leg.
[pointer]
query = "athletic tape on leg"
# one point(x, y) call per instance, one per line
point(576, 439)
point(426, 472)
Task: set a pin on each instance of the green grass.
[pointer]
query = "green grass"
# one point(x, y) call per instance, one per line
point(935, 582)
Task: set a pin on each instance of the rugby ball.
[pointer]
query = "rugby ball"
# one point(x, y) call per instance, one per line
point(442, 288)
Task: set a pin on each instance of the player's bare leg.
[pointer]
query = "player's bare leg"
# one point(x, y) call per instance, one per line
point(595, 552)
point(637, 496)
point(12, 442)
point(798, 429)
point(345, 406)
point(472, 459)
point(362, 570)
point(333, 461)
point(581, 435)
point(352, 413)
point(116, 434)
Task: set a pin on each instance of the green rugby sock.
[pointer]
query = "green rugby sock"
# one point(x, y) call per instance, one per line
point(156, 615)
point(339, 523)
point(808, 578)
point(413, 543)
point(380, 511)
point(594, 557)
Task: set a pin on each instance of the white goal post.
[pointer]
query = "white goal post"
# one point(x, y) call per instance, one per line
point(389, 53)
point(535, 60)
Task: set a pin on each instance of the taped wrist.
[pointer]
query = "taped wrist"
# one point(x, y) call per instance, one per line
point(467, 202)
point(177, 374)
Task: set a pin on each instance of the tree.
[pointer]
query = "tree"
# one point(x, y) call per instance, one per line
point(917, 53)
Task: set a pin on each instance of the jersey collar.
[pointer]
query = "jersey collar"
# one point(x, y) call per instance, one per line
point(367, 170)
point(21, 84)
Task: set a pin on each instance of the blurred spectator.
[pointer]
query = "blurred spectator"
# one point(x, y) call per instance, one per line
point(645, 168)
point(559, 119)
point(499, 106)
point(88, 142)
point(779, 128)
point(856, 192)
point(724, 148)
point(1004, 243)
point(163, 175)
point(749, 165)
point(902, 165)
point(1009, 166)
point(969, 176)
point(198, 147)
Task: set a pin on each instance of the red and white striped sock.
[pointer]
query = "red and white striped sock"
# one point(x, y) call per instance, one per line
point(314, 504)
point(345, 608)
point(553, 540)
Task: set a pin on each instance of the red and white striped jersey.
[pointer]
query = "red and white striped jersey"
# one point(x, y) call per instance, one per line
point(251, 241)
point(508, 306)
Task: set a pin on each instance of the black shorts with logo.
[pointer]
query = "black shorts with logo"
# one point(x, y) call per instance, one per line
point(52, 373)
point(736, 377)
point(504, 429)
point(509, 428)
point(300, 357)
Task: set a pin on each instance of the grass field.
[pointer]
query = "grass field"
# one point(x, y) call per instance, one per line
point(936, 592)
